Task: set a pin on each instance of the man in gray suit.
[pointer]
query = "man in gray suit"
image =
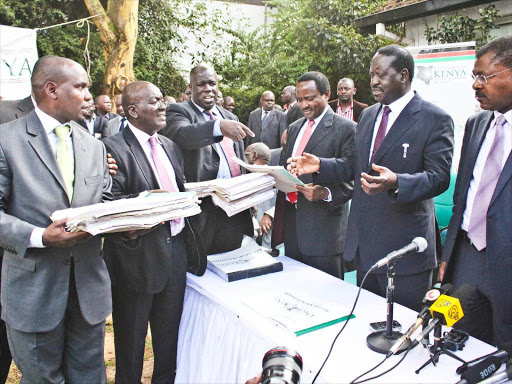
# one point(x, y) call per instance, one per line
point(118, 123)
point(315, 220)
point(55, 285)
point(14, 109)
point(267, 123)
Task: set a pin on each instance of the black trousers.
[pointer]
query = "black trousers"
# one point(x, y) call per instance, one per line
point(222, 233)
point(331, 264)
point(483, 307)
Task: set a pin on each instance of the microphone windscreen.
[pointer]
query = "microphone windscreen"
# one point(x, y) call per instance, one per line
point(421, 243)
point(482, 370)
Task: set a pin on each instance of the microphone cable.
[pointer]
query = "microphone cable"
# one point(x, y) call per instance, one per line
point(344, 325)
point(380, 374)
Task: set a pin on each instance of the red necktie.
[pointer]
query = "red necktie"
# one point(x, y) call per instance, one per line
point(227, 147)
point(292, 196)
point(381, 132)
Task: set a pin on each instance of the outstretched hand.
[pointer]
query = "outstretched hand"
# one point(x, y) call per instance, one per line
point(376, 184)
point(301, 165)
point(234, 130)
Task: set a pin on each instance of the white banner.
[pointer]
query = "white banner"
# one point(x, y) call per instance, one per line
point(19, 54)
point(443, 76)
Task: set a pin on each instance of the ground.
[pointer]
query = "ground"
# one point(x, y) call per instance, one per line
point(110, 359)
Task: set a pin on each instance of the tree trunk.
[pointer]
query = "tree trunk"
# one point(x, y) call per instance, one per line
point(118, 28)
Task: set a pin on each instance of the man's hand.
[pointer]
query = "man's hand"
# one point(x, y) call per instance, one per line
point(55, 235)
point(234, 130)
point(302, 165)
point(442, 270)
point(254, 380)
point(265, 224)
point(376, 184)
point(112, 166)
point(313, 192)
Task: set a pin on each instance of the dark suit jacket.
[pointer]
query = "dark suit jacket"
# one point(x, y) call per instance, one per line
point(144, 268)
point(385, 222)
point(499, 214)
point(321, 226)
point(293, 114)
point(14, 109)
point(271, 133)
point(358, 107)
point(100, 126)
point(188, 128)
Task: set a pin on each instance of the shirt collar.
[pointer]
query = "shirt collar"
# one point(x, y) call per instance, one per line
point(142, 137)
point(263, 111)
point(49, 123)
point(351, 104)
point(202, 110)
point(398, 105)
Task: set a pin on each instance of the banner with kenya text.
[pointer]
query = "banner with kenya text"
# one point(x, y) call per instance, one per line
point(443, 76)
point(19, 54)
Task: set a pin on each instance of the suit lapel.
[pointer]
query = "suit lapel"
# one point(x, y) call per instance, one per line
point(140, 158)
point(292, 137)
point(367, 132)
point(321, 131)
point(201, 117)
point(42, 147)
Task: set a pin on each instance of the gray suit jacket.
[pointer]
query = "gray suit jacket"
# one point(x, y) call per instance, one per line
point(113, 125)
point(35, 281)
point(321, 226)
point(14, 109)
point(271, 133)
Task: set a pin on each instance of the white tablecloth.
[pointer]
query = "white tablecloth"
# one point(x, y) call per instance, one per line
point(221, 340)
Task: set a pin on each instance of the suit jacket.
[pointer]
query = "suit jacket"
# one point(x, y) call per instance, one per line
point(14, 109)
point(145, 268)
point(35, 281)
point(114, 124)
point(321, 226)
point(188, 128)
point(382, 223)
point(357, 107)
point(499, 214)
point(109, 116)
point(100, 126)
point(293, 114)
point(271, 133)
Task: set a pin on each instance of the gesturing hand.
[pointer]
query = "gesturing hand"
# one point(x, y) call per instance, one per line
point(313, 192)
point(55, 235)
point(234, 130)
point(376, 184)
point(301, 165)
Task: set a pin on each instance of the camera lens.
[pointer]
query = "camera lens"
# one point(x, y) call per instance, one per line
point(281, 365)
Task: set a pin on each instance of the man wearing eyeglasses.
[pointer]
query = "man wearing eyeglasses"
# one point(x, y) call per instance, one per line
point(478, 248)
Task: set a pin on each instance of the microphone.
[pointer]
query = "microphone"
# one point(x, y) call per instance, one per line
point(498, 378)
point(480, 371)
point(419, 244)
point(500, 354)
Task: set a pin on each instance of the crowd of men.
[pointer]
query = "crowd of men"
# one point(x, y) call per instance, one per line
point(389, 159)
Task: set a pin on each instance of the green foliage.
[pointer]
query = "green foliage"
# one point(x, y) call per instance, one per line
point(454, 28)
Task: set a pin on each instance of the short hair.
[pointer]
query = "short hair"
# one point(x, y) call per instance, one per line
point(98, 97)
point(502, 49)
point(261, 150)
point(291, 89)
point(49, 68)
point(130, 94)
point(322, 84)
point(200, 68)
point(402, 58)
point(347, 79)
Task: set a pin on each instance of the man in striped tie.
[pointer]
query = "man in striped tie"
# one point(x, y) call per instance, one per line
point(478, 248)
point(209, 137)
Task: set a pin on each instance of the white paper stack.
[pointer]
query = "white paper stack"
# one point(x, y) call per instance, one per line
point(238, 193)
point(142, 212)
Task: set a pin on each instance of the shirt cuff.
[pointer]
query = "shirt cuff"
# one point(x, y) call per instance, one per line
point(36, 238)
point(216, 129)
point(270, 212)
point(329, 198)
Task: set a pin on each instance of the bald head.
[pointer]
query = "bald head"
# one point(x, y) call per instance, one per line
point(103, 104)
point(204, 83)
point(257, 153)
point(144, 106)
point(229, 103)
point(132, 93)
point(267, 101)
point(288, 96)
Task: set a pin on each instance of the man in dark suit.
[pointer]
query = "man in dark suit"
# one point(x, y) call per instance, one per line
point(209, 137)
point(291, 108)
point(95, 124)
point(345, 105)
point(411, 140)
point(478, 247)
point(55, 285)
point(103, 106)
point(267, 123)
point(315, 220)
point(148, 277)
point(14, 109)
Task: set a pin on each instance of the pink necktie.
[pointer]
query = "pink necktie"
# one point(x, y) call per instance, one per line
point(381, 132)
point(292, 196)
point(227, 147)
point(477, 230)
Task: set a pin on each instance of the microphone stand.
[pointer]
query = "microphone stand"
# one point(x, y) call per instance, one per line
point(437, 350)
point(382, 341)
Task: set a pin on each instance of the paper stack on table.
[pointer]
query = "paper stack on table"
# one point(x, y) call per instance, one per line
point(238, 193)
point(142, 212)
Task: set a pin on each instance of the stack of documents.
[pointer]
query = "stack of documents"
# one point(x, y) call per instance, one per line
point(142, 212)
point(238, 193)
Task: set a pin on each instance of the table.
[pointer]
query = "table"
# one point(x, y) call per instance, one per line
point(222, 340)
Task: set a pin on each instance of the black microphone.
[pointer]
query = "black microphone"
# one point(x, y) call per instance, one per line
point(498, 378)
point(500, 353)
point(419, 244)
point(480, 371)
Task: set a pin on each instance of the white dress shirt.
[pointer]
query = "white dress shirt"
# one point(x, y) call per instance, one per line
point(90, 124)
point(481, 159)
point(143, 139)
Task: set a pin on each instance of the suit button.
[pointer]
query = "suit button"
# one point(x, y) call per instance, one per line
point(216, 164)
point(168, 240)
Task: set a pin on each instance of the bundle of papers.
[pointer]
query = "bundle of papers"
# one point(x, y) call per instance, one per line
point(238, 193)
point(142, 212)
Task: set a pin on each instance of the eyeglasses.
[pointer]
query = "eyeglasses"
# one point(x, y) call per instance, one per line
point(159, 103)
point(483, 79)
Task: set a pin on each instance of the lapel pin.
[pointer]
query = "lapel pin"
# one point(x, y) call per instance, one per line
point(405, 145)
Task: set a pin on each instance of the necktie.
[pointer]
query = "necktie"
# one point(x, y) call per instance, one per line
point(121, 126)
point(265, 115)
point(65, 159)
point(381, 132)
point(227, 147)
point(292, 196)
point(492, 170)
